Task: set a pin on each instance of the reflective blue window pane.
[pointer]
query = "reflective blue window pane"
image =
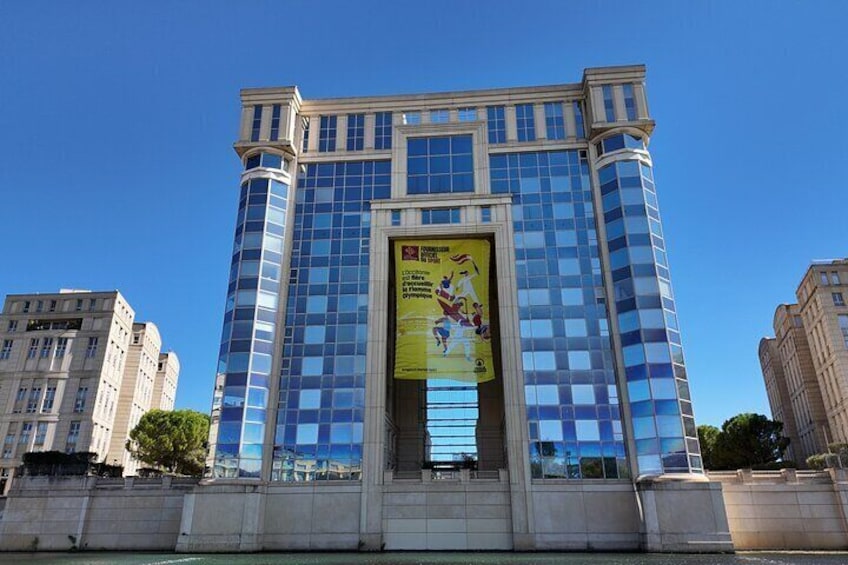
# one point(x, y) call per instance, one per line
point(525, 122)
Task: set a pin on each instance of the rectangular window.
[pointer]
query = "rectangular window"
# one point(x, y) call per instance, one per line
point(46, 347)
point(275, 122)
point(327, 134)
point(305, 126)
point(440, 216)
point(578, 119)
point(257, 123)
point(19, 400)
point(383, 130)
point(34, 397)
point(13, 326)
point(395, 217)
point(92, 304)
point(834, 279)
point(78, 306)
point(440, 116)
point(49, 398)
point(843, 326)
point(91, 350)
point(26, 430)
point(609, 105)
point(355, 132)
point(525, 122)
point(79, 401)
point(629, 101)
point(61, 347)
point(554, 120)
point(73, 437)
point(411, 118)
point(485, 214)
point(442, 164)
point(39, 306)
point(496, 124)
point(9, 446)
point(26, 306)
point(838, 300)
point(467, 114)
point(33, 348)
point(823, 278)
point(40, 433)
point(7, 349)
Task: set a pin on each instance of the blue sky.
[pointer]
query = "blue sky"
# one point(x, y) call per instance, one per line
point(117, 121)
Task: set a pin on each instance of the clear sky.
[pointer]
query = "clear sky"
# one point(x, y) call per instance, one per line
point(117, 121)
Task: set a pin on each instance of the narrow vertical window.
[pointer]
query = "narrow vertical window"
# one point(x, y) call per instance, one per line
point(46, 347)
point(257, 123)
point(496, 124)
point(79, 401)
point(485, 214)
point(629, 101)
point(49, 397)
point(525, 122)
point(383, 130)
point(34, 398)
point(26, 306)
point(52, 307)
point(327, 134)
point(78, 306)
point(91, 350)
point(355, 132)
point(275, 122)
point(13, 326)
point(578, 120)
point(7, 349)
point(843, 326)
point(73, 437)
point(395, 217)
point(40, 433)
point(609, 106)
point(304, 122)
point(554, 121)
point(834, 279)
point(33, 348)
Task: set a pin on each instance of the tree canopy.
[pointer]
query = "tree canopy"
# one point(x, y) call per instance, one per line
point(174, 441)
point(745, 440)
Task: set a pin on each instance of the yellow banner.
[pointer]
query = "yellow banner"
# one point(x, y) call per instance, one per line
point(442, 314)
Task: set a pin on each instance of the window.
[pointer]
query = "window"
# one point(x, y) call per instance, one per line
point(843, 325)
point(834, 279)
point(440, 116)
point(52, 307)
point(46, 347)
point(26, 430)
point(440, 164)
point(257, 123)
point(91, 350)
point(440, 216)
point(9, 445)
point(496, 123)
point(304, 122)
point(39, 306)
point(395, 217)
point(609, 106)
point(355, 132)
point(275, 122)
point(629, 101)
point(838, 300)
point(485, 214)
point(578, 119)
point(411, 118)
point(26, 306)
point(49, 398)
point(33, 348)
point(823, 278)
point(40, 433)
point(136, 338)
point(467, 114)
point(34, 397)
point(78, 306)
point(13, 326)
point(554, 121)
point(73, 437)
point(92, 304)
point(7, 349)
point(383, 130)
point(79, 401)
point(525, 122)
point(327, 134)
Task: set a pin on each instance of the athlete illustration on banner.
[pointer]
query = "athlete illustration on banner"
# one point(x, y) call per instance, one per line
point(458, 320)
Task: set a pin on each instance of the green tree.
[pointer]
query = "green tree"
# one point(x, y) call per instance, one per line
point(748, 440)
point(174, 441)
point(707, 436)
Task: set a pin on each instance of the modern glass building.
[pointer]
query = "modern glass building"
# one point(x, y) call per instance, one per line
point(575, 370)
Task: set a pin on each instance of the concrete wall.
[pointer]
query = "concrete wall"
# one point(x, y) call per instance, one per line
point(786, 509)
point(61, 513)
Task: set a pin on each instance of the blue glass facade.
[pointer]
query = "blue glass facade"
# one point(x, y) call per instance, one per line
point(664, 429)
point(319, 414)
point(249, 332)
point(570, 387)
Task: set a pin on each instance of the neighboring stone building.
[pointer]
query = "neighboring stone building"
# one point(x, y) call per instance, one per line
point(581, 435)
point(66, 359)
point(805, 367)
point(165, 386)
